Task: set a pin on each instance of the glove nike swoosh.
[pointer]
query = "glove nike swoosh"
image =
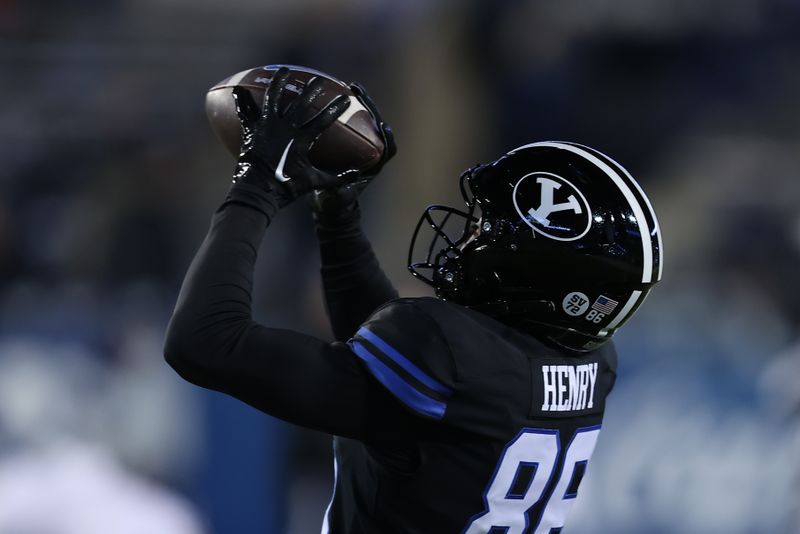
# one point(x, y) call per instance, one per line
point(279, 169)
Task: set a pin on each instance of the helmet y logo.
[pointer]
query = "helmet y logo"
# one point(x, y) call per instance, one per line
point(565, 218)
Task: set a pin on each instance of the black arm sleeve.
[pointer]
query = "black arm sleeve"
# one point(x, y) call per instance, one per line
point(352, 279)
point(213, 342)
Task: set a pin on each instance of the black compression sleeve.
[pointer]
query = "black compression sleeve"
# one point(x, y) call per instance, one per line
point(353, 281)
point(212, 340)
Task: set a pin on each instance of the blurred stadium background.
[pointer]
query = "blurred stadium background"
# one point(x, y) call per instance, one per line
point(110, 173)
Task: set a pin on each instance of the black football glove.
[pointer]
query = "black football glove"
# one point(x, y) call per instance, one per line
point(390, 147)
point(337, 204)
point(276, 143)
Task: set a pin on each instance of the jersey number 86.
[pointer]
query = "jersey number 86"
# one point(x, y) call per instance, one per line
point(537, 453)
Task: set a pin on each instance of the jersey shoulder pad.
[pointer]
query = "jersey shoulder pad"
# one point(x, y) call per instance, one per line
point(404, 349)
point(609, 354)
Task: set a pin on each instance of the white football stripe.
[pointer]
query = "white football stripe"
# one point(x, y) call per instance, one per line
point(652, 214)
point(354, 107)
point(623, 313)
point(238, 77)
point(647, 244)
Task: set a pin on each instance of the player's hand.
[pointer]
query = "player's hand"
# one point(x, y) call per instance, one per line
point(340, 204)
point(274, 154)
point(390, 147)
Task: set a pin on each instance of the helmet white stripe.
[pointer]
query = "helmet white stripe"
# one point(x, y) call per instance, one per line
point(647, 243)
point(649, 207)
point(623, 313)
point(655, 219)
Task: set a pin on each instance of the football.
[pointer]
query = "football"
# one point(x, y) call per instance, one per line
point(352, 142)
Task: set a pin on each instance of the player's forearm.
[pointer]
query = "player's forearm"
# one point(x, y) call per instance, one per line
point(213, 342)
point(352, 278)
point(214, 307)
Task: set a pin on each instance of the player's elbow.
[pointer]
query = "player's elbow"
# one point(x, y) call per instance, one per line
point(184, 351)
point(175, 346)
point(201, 349)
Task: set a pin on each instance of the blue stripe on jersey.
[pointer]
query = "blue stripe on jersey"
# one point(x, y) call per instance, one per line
point(403, 362)
point(401, 389)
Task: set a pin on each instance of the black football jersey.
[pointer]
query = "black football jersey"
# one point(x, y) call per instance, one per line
point(506, 426)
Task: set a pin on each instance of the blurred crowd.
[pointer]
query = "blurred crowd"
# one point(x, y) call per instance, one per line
point(110, 173)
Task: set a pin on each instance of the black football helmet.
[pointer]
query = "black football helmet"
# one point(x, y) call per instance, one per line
point(557, 239)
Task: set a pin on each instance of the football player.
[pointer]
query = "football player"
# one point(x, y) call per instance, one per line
point(473, 412)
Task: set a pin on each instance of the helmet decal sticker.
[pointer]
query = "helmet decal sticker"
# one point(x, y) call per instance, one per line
point(575, 303)
point(552, 206)
point(622, 315)
point(604, 304)
point(625, 188)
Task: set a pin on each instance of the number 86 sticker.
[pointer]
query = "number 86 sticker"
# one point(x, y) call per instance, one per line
point(576, 304)
point(595, 316)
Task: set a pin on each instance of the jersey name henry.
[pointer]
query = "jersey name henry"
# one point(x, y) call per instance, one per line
point(568, 387)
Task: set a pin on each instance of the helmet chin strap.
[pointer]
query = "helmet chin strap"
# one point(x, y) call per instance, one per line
point(519, 314)
point(508, 309)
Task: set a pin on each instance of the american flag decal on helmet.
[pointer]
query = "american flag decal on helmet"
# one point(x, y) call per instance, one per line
point(604, 305)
